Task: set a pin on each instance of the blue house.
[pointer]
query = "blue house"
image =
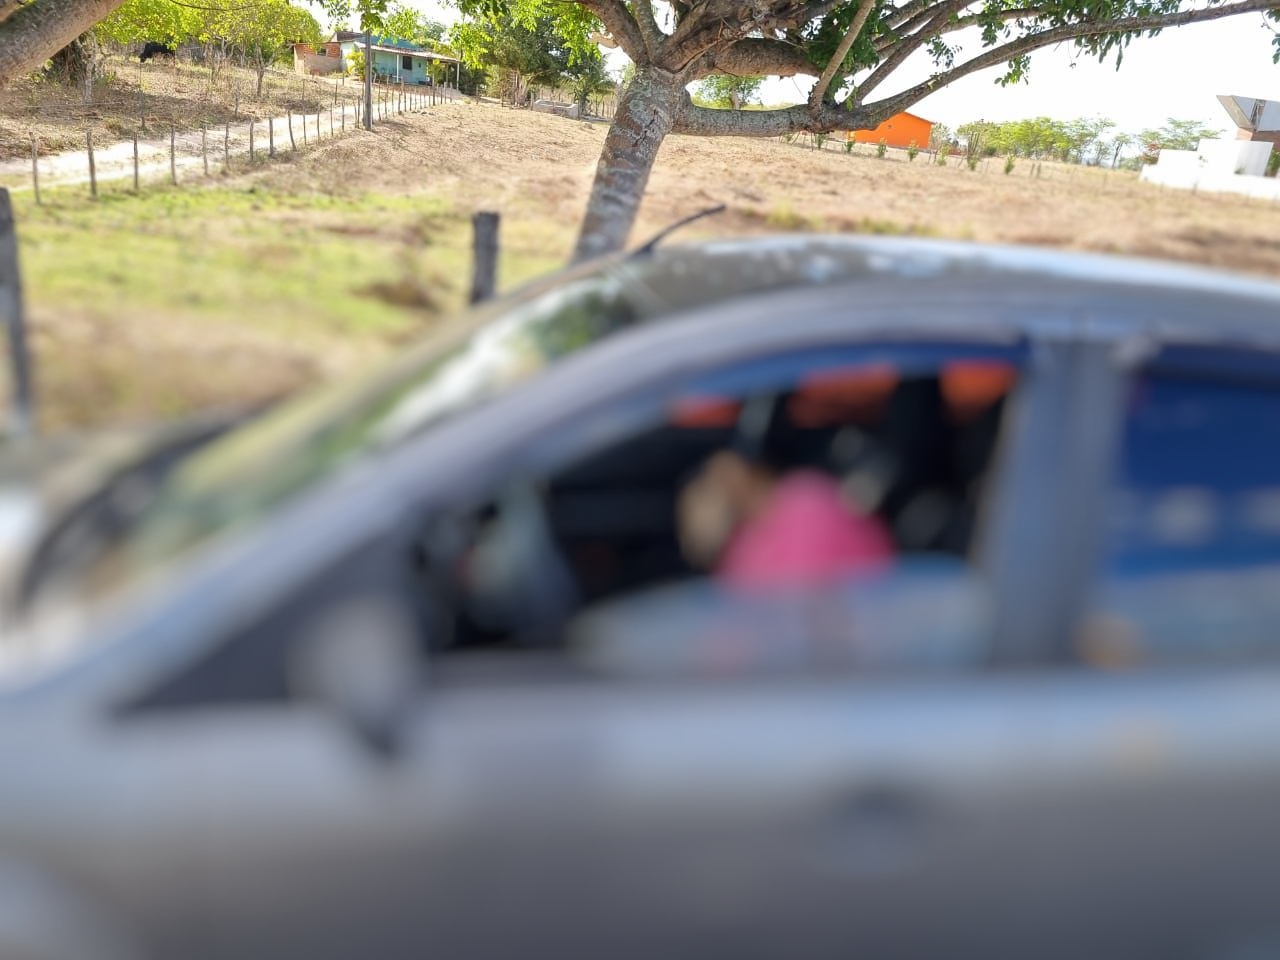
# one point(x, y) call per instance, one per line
point(394, 61)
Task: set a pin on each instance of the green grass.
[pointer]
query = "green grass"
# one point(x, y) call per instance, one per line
point(300, 266)
point(305, 282)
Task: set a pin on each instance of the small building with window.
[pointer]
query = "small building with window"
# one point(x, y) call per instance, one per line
point(394, 61)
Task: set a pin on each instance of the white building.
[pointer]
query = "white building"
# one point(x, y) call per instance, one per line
point(1227, 166)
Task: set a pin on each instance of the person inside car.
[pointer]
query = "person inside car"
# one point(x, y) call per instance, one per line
point(758, 529)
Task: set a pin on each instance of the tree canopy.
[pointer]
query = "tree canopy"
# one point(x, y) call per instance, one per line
point(724, 90)
point(524, 51)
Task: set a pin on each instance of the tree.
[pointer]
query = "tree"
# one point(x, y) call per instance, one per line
point(723, 90)
point(1174, 135)
point(851, 47)
point(523, 52)
point(405, 23)
point(589, 77)
point(263, 31)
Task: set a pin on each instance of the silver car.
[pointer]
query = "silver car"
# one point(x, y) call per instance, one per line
point(422, 666)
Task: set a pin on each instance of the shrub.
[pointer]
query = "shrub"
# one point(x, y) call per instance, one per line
point(913, 151)
point(882, 148)
point(782, 217)
point(848, 145)
point(1273, 164)
point(943, 152)
point(972, 161)
point(1008, 165)
point(819, 139)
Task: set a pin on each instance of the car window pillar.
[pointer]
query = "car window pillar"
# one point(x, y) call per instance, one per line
point(1044, 529)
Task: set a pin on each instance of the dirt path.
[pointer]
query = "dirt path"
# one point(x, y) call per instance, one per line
point(196, 154)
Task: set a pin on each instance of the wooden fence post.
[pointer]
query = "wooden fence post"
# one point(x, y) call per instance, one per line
point(226, 148)
point(173, 155)
point(485, 268)
point(252, 121)
point(293, 144)
point(35, 168)
point(204, 147)
point(271, 136)
point(21, 417)
point(304, 129)
point(136, 183)
point(93, 170)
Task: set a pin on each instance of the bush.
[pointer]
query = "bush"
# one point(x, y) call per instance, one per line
point(882, 148)
point(913, 151)
point(943, 152)
point(848, 145)
point(1273, 164)
point(819, 139)
point(972, 161)
point(1008, 165)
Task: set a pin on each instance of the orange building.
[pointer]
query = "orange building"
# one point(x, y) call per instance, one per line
point(900, 130)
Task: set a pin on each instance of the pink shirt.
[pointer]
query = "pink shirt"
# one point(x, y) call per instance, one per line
point(804, 535)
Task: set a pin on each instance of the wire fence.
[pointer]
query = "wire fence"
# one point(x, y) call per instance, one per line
point(184, 120)
point(126, 98)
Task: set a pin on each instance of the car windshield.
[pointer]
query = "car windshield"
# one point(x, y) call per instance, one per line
point(239, 478)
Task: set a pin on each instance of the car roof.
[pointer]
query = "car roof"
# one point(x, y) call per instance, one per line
point(683, 277)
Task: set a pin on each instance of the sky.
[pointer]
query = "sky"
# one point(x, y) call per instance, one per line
point(1176, 74)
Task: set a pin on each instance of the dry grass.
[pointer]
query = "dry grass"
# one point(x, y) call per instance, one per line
point(147, 99)
point(254, 285)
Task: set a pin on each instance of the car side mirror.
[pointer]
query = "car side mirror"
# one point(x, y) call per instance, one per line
point(361, 661)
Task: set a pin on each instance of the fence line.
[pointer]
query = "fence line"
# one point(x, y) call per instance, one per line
point(189, 151)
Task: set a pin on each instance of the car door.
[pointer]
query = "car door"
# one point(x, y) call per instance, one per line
point(1158, 769)
point(588, 813)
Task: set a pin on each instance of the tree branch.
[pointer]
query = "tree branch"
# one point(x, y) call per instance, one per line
point(9, 7)
point(842, 50)
point(1045, 38)
point(648, 25)
point(909, 45)
point(36, 31)
point(708, 122)
point(753, 57)
point(620, 24)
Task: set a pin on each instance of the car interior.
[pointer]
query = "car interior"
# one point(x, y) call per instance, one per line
point(909, 435)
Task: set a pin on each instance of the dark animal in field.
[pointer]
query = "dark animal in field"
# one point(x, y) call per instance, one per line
point(150, 50)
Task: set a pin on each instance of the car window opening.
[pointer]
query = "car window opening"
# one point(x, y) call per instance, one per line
point(840, 473)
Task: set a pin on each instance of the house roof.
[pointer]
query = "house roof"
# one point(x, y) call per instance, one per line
point(392, 45)
point(908, 113)
point(1251, 114)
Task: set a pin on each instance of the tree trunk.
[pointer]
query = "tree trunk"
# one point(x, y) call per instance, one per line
point(644, 117)
point(39, 30)
point(74, 63)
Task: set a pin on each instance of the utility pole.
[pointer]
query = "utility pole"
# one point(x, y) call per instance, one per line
point(368, 80)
